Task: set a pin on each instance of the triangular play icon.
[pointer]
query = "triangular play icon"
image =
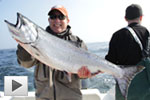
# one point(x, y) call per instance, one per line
point(15, 85)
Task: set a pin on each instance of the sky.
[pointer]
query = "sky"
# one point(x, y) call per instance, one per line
point(91, 20)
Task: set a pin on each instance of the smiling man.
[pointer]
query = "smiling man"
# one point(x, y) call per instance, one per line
point(53, 84)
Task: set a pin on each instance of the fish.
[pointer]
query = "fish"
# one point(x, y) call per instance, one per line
point(63, 55)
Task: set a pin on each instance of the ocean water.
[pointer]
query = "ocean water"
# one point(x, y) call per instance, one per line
point(10, 67)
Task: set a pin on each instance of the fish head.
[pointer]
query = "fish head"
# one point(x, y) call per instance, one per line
point(24, 31)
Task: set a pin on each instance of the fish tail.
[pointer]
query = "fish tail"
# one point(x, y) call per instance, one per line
point(129, 74)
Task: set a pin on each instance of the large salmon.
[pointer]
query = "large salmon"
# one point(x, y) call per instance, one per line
point(62, 55)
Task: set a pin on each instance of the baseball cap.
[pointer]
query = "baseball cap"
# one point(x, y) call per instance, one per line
point(60, 8)
point(133, 11)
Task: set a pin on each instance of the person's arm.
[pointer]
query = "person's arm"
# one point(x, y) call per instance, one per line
point(24, 58)
point(83, 45)
point(112, 56)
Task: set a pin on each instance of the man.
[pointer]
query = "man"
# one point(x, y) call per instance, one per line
point(53, 84)
point(124, 50)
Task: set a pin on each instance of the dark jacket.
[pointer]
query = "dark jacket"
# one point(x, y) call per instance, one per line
point(53, 84)
point(123, 49)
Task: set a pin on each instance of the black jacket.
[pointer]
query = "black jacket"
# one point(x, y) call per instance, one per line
point(123, 49)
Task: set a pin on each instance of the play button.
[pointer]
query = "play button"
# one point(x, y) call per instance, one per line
point(15, 85)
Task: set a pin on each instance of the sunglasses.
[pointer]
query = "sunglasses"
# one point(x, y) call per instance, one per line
point(60, 17)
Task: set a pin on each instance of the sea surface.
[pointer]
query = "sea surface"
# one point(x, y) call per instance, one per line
point(10, 67)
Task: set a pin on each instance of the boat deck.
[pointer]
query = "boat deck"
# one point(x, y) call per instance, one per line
point(88, 94)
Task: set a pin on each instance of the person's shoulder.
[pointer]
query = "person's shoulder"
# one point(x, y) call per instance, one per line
point(72, 36)
point(76, 38)
point(142, 29)
point(121, 31)
point(139, 26)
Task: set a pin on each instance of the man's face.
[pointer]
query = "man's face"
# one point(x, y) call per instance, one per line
point(58, 22)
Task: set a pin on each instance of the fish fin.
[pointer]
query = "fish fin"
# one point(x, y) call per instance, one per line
point(129, 74)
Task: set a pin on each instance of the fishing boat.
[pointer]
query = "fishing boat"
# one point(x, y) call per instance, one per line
point(88, 94)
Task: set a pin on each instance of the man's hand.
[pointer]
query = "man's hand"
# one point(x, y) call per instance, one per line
point(84, 72)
